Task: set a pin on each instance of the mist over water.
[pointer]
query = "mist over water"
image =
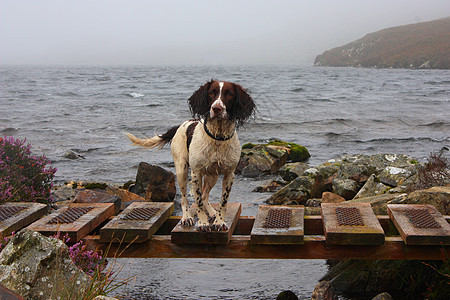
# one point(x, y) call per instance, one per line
point(331, 111)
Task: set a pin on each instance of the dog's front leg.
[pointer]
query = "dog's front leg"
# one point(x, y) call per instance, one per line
point(203, 223)
point(219, 222)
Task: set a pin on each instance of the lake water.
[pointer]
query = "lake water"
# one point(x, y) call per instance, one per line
point(331, 111)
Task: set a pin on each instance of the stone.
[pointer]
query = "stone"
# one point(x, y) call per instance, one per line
point(290, 171)
point(262, 160)
point(296, 192)
point(372, 187)
point(39, 267)
point(93, 196)
point(154, 183)
point(125, 196)
point(324, 291)
point(72, 155)
point(104, 298)
point(63, 193)
point(438, 196)
point(287, 295)
point(346, 188)
point(383, 296)
point(313, 202)
point(269, 187)
point(328, 197)
point(378, 203)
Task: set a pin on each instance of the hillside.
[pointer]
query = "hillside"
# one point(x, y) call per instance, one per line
point(420, 45)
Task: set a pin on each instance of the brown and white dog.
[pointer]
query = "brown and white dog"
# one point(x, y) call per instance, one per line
point(209, 146)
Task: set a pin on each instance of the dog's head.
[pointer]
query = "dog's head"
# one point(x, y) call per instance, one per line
point(222, 100)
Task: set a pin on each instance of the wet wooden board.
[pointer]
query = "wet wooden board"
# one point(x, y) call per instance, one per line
point(77, 220)
point(420, 224)
point(278, 224)
point(16, 215)
point(351, 224)
point(137, 223)
point(190, 235)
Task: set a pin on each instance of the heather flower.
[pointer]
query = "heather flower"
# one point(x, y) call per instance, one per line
point(23, 176)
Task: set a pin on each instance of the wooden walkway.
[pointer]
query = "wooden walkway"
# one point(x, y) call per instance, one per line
point(147, 230)
point(314, 247)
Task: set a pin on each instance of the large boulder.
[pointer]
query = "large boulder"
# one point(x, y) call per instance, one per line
point(296, 192)
point(39, 267)
point(324, 291)
point(378, 202)
point(154, 183)
point(261, 159)
point(438, 196)
point(290, 171)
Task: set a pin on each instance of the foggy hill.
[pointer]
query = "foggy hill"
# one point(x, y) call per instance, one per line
point(420, 45)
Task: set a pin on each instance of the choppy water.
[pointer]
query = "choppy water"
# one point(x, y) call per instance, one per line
point(331, 111)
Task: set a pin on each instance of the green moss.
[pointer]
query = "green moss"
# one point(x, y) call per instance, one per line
point(299, 153)
point(96, 185)
point(248, 146)
point(414, 162)
point(127, 184)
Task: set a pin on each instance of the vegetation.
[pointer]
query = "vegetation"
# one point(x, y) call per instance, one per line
point(23, 177)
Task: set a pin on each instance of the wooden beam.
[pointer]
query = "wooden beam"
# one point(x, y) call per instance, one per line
point(314, 247)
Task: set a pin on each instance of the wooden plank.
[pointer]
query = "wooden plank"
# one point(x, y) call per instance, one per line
point(137, 223)
point(26, 214)
point(420, 224)
point(351, 224)
point(288, 228)
point(189, 234)
point(79, 227)
point(240, 247)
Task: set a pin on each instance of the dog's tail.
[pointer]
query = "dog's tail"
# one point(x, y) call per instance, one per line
point(156, 141)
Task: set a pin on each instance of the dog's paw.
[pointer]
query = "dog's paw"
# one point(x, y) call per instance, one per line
point(219, 225)
point(204, 227)
point(187, 221)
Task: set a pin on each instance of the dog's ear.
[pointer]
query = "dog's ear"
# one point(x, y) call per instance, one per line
point(243, 106)
point(199, 102)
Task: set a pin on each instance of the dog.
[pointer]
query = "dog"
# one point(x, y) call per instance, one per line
point(209, 145)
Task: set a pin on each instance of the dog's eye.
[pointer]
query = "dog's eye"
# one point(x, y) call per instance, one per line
point(229, 94)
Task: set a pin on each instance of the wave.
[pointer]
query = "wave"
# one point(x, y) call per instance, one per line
point(403, 140)
point(297, 90)
point(135, 95)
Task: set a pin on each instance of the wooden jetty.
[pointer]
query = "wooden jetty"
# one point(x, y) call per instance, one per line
point(145, 230)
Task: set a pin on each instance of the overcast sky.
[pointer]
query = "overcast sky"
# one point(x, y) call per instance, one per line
point(194, 32)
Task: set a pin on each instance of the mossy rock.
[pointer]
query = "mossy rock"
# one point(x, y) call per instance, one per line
point(297, 152)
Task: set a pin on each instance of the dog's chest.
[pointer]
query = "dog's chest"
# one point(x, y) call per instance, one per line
point(214, 156)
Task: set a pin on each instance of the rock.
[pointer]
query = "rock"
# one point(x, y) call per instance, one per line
point(346, 188)
point(261, 160)
point(297, 153)
point(72, 155)
point(125, 196)
point(269, 187)
point(364, 279)
point(154, 183)
point(92, 196)
point(64, 193)
point(287, 295)
point(296, 192)
point(372, 187)
point(438, 196)
point(104, 298)
point(290, 171)
point(313, 202)
point(324, 291)
point(383, 296)
point(39, 267)
point(379, 202)
point(328, 197)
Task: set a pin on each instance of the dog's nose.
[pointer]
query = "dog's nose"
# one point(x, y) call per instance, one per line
point(217, 109)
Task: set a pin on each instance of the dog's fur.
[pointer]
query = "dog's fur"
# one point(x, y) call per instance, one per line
point(209, 145)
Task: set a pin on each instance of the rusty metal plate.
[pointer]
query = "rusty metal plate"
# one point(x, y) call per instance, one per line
point(421, 218)
point(7, 212)
point(70, 215)
point(349, 216)
point(278, 218)
point(141, 213)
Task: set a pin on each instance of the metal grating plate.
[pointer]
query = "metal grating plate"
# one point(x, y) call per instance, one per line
point(278, 218)
point(141, 213)
point(70, 215)
point(421, 218)
point(349, 216)
point(7, 212)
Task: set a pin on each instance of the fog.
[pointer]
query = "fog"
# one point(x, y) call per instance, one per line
point(107, 32)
